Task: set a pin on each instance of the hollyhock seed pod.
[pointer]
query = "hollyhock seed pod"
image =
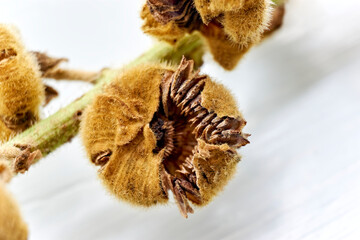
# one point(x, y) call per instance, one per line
point(21, 88)
point(242, 21)
point(157, 129)
point(230, 27)
point(12, 227)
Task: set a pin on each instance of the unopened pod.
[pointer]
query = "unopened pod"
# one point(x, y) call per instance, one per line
point(21, 88)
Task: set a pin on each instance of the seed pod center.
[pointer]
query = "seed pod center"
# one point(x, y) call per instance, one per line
point(180, 122)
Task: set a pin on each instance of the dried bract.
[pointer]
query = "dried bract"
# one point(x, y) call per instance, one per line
point(50, 68)
point(238, 24)
point(21, 89)
point(12, 227)
point(158, 129)
point(47, 63)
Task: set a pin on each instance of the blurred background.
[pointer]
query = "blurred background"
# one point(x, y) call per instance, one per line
point(299, 91)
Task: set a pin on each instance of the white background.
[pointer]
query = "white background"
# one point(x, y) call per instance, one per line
point(300, 92)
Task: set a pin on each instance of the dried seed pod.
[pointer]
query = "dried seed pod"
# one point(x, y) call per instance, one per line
point(12, 227)
point(157, 129)
point(238, 24)
point(21, 89)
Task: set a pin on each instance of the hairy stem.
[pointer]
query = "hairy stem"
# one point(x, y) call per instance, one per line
point(47, 135)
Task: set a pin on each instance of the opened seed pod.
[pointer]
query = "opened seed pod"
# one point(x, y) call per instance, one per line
point(230, 27)
point(157, 129)
point(21, 89)
point(12, 227)
point(243, 21)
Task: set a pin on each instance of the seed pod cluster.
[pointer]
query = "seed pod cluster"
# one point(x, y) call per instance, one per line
point(12, 227)
point(21, 89)
point(230, 27)
point(157, 129)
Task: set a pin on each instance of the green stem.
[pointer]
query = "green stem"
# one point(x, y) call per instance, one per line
point(47, 135)
point(278, 2)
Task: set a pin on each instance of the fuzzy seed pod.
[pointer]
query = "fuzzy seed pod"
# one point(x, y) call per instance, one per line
point(12, 226)
point(21, 89)
point(158, 128)
point(238, 24)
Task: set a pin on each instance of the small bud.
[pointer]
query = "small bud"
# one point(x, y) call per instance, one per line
point(12, 227)
point(157, 128)
point(21, 88)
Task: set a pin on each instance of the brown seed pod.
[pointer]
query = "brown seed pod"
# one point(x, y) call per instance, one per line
point(12, 227)
point(157, 129)
point(240, 23)
point(21, 89)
